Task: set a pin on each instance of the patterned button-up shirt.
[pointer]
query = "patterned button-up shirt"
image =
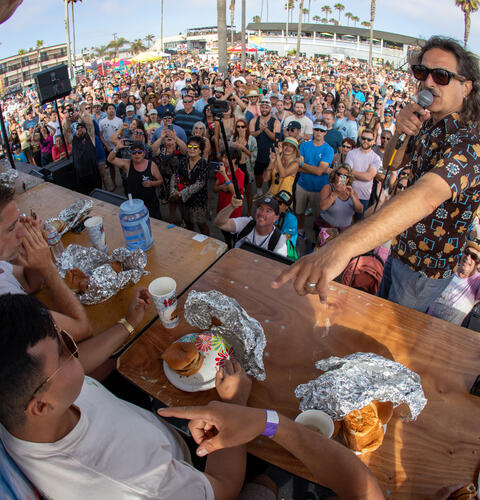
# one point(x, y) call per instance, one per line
point(450, 149)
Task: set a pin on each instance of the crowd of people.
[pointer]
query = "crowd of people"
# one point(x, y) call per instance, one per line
point(309, 137)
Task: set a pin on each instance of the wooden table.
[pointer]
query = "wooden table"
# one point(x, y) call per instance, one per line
point(416, 458)
point(175, 253)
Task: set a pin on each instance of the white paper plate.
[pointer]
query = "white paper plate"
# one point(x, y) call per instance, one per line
point(215, 350)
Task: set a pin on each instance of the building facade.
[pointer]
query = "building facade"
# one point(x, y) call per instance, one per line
point(334, 41)
point(20, 69)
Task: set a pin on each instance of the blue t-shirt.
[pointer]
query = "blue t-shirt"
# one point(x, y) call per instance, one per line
point(178, 130)
point(290, 226)
point(348, 128)
point(313, 155)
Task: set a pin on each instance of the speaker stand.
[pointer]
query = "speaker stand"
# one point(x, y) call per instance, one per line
point(61, 130)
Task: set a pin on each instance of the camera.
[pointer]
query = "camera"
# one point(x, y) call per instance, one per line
point(169, 126)
point(70, 112)
point(217, 106)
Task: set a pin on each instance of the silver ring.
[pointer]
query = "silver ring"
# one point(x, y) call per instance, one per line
point(311, 285)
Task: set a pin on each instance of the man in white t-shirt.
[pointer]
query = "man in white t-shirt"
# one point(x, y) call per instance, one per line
point(263, 233)
point(74, 439)
point(108, 126)
point(463, 292)
point(365, 164)
point(299, 110)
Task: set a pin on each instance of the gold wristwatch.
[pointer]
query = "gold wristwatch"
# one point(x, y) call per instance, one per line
point(127, 325)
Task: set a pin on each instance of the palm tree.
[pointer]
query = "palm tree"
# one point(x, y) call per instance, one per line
point(324, 20)
point(300, 12)
point(116, 44)
point(305, 13)
point(339, 7)
point(232, 18)
point(243, 57)
point(101, 51)
point(137, 46)
point(349, 16)
point(467, 7)
point(309, 5)
point(149, 39)
point(222, 36)
point(67, 33)
point(355, 19)
point(161, 25)
point(21, 53)
point(256, 19)
point(38, 46)
point(372, 19)
point(316, 19)
point(333, 21)
point(326, 9)
point(366, 24)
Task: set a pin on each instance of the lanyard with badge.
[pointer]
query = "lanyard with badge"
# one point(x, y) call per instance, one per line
point(263, 242)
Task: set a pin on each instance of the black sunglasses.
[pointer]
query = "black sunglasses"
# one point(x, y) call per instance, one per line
point(472, 255)
point(439, 75)
point(369, 139)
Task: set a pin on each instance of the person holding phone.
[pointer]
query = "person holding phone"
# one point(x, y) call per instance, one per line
point(338, 200)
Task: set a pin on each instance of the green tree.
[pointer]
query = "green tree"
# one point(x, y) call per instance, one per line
point(232, 19)
point(467, 6)
point(38, 47)
point(305, 13)
point(137, 46)
point(316, 19)
point(289, 6)
point(116, 44)
point(324, 20)
point(256, 19)
point(339, 7)
point(355, 19)
point(365, 23)
point(327, 10)
point(149, 39)
point(101, 51)
point(349, 16)
point(333, 21)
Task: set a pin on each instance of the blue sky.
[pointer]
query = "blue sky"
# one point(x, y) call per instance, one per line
point(97, 20)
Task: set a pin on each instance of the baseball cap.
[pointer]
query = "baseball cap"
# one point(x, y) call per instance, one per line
point(294, 125)
point(153, 112)
point(292, 141)
point(130, 108)
point(318, 125)
point(221, 90)
point(137, 145)
point(266, 101)
point(270, 201)
point(206, 87)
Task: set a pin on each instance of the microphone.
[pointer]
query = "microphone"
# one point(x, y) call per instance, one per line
point(424, 99)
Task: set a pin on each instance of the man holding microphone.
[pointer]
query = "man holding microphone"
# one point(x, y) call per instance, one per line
point(428, 222)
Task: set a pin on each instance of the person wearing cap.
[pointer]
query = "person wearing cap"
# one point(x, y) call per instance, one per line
point(386, 124)
point(167, 121)
point(143, 176)
point(122, 105)
point(165, 105)
point(317, 157)
point(259, 230)
point(283, 167)
point(130, 114)
point(368, 120)
point(253, 106)
point(287, 222)
point(265, 129)
point(299, 110)
point(205, 94)
point(463, 292)
point(293, 129)
point(97, 113)
point(152, 124)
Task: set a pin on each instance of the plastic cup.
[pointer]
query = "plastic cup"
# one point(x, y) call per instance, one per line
point(96, 232)
point(164, 293)
point(316, 420)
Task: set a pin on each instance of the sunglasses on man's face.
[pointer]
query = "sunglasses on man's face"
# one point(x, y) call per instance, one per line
point(439, 75)
point(472, 255)
point(69, 350)
point(367, 139)
point(137, 151)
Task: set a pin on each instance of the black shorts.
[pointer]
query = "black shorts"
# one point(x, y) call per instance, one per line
point(260, 167)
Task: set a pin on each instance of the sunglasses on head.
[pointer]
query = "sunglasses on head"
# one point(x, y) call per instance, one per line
point(439, 75)
point(472, 255)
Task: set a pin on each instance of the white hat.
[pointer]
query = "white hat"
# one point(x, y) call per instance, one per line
point(130, 107)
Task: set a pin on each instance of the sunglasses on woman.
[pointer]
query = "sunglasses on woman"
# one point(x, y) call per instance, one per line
point(137, 151)
point(439, 75)
point(193, 146)
point(241, 126)
point(70, 348)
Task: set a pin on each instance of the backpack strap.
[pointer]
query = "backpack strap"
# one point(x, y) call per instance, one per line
point(272, 243)
point(246, 230)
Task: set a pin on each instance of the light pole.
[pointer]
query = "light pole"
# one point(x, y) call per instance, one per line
point(67, 32)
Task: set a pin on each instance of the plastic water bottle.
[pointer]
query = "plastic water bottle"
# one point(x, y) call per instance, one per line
point(54, 241)
point(135, 222)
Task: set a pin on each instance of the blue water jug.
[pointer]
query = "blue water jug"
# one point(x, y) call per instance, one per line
point(135, 222)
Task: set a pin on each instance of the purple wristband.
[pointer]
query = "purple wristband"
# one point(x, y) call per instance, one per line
point(272, 423)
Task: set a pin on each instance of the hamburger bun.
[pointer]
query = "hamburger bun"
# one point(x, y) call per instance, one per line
point(77, 280)
point(362, 430)
point(183, 357)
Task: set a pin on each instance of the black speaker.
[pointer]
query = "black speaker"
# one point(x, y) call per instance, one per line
point(53, 83)
point(63, 173)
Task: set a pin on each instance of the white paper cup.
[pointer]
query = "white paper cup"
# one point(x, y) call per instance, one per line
point(316, 420)
point(96, 232)
point(164, 293)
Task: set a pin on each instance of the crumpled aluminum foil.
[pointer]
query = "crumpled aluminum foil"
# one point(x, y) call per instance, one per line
point(8, 178)
point(352, 382)
point(104, 282)
point(73, 214)
point(241, 331)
